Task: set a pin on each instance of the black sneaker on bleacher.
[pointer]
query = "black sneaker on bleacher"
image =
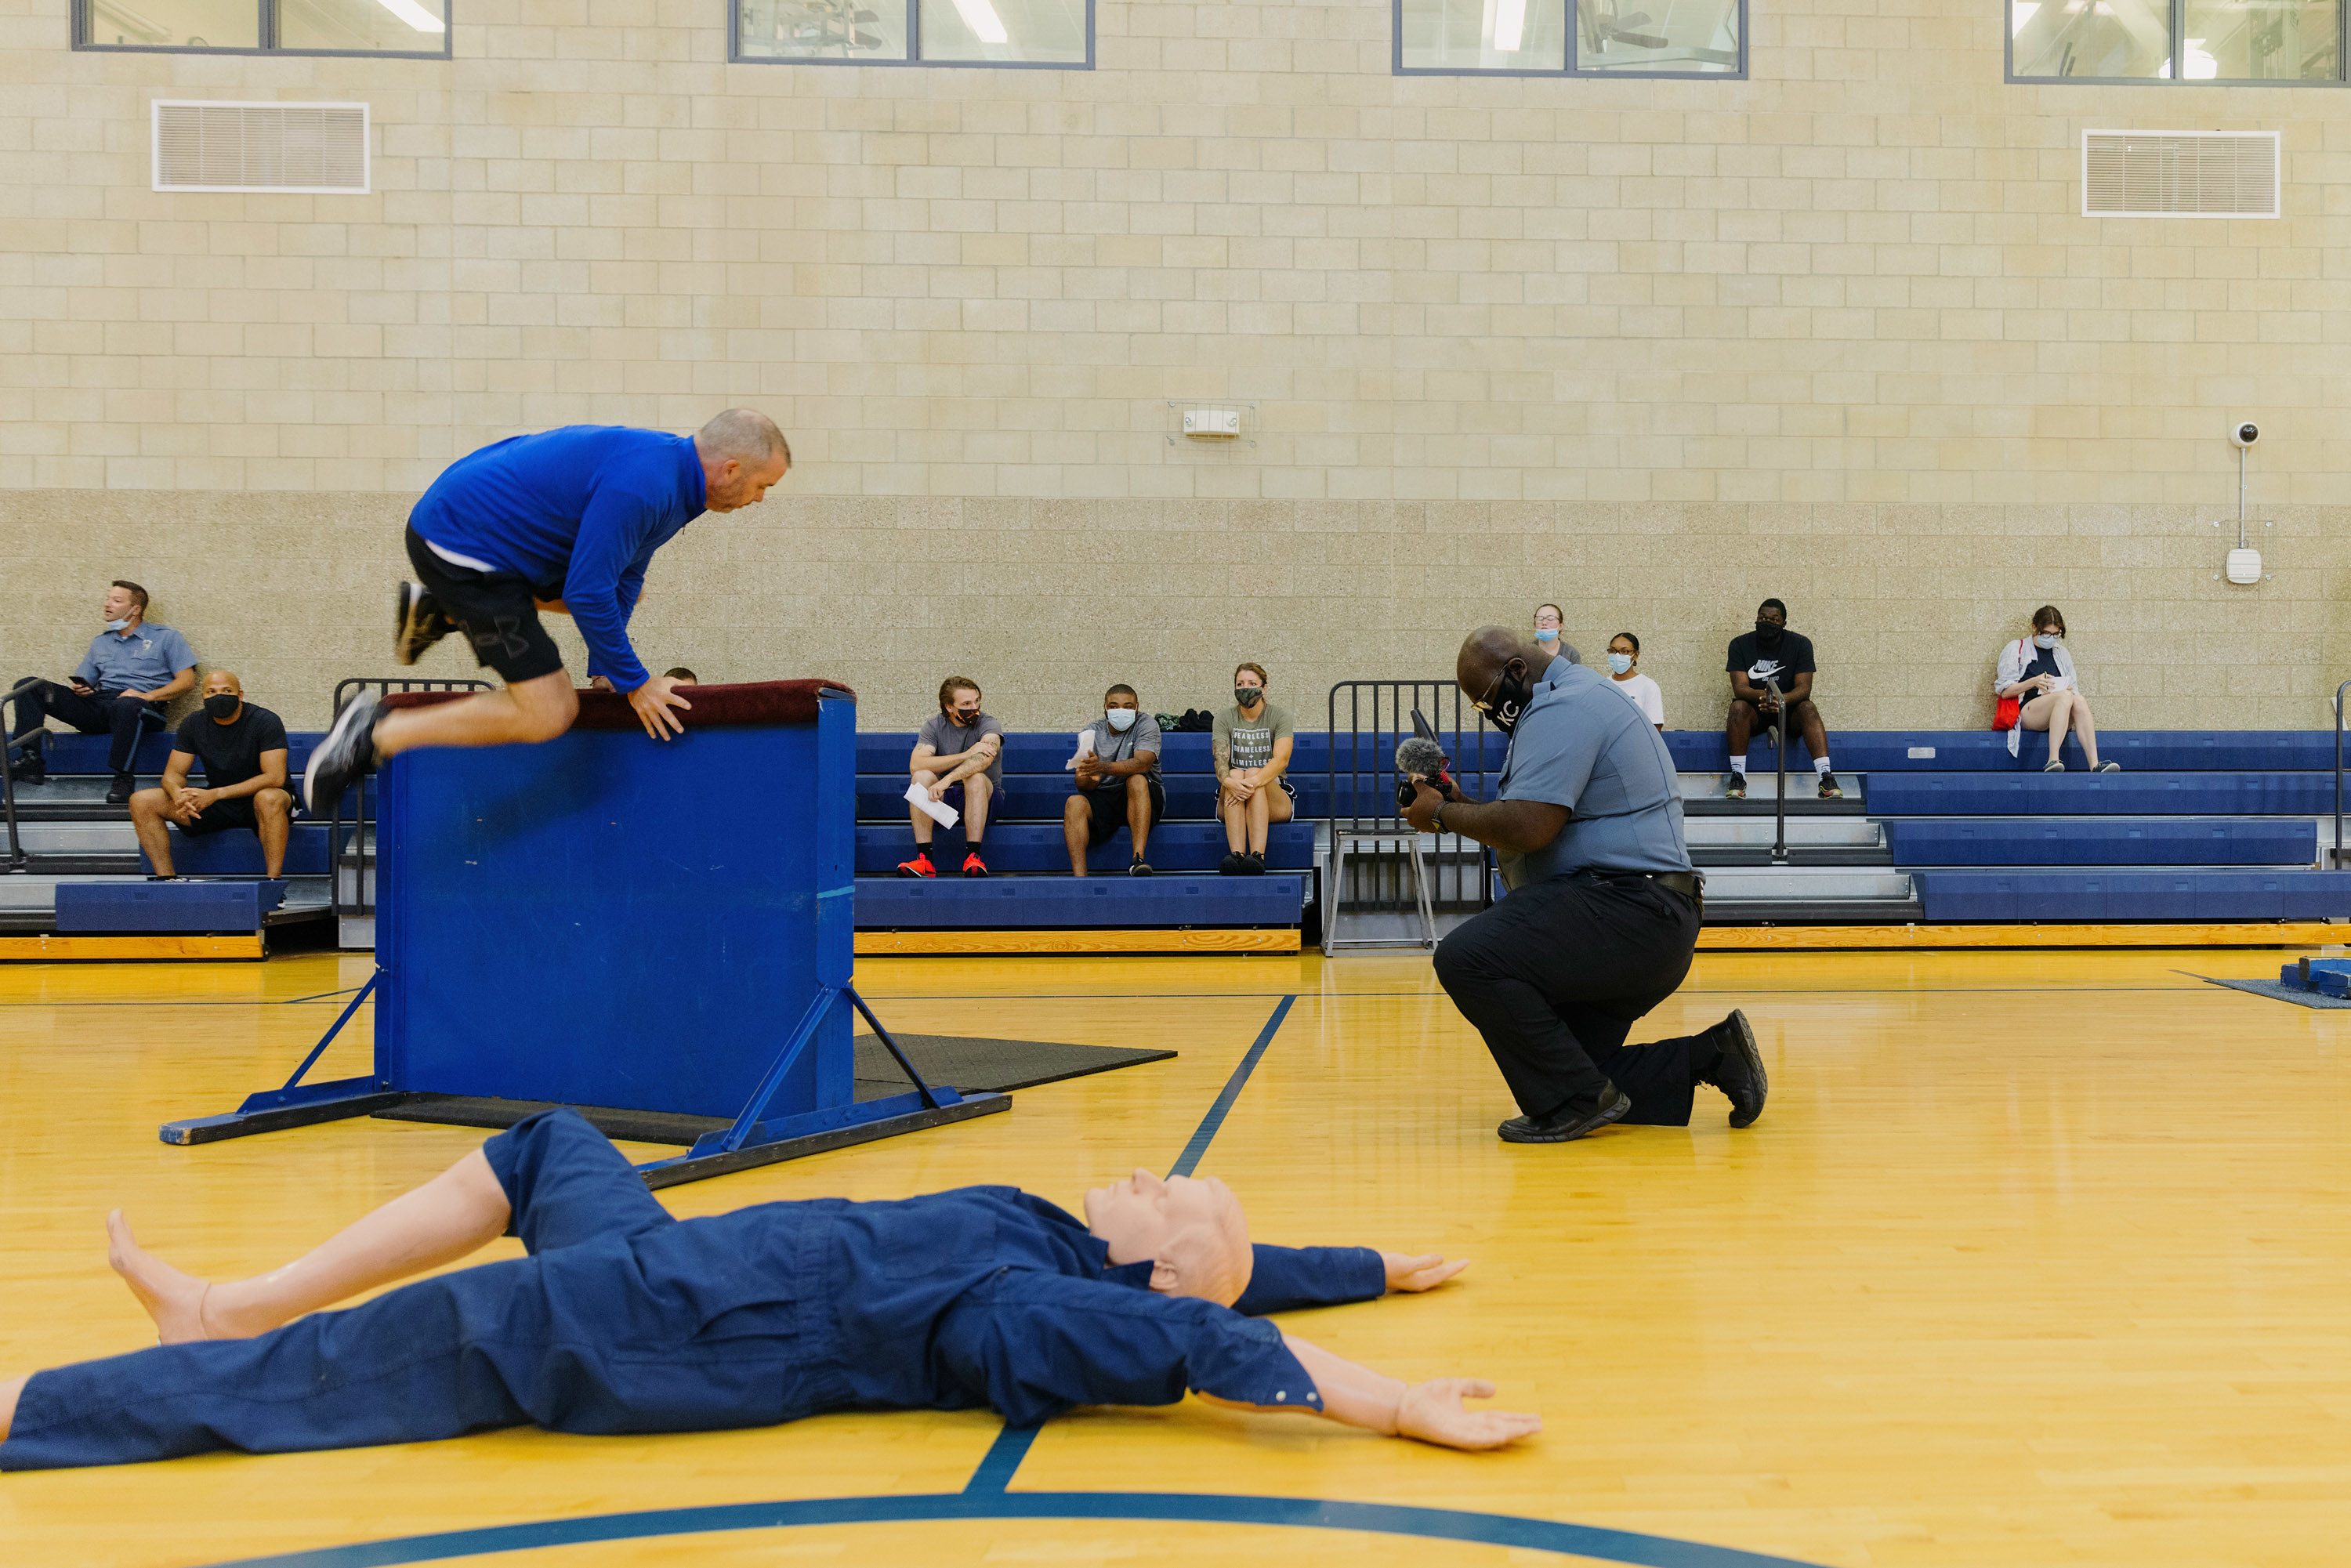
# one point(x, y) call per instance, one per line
point(124, 785)
point(1829, 790)
point(417, 622)
point(1137, 867)
point(1256, 866)
point(1233, 865)
point(1734, 785)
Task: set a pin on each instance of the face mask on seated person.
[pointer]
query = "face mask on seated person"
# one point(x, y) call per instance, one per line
point(2045, 639)
point(1121, 719)
point(222, 704)
point(1620, 662)
point(1768, 633)
point(1244, 696)
point(1546, 633)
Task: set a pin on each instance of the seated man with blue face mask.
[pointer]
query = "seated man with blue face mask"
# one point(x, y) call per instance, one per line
point(1117, 767)
point(1550, 639)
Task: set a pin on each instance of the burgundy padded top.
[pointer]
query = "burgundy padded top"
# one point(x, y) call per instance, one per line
point(752, 702)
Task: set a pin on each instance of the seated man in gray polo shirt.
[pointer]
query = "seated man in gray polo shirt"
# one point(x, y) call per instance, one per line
point(132, 669)
point(1602, 910)
point(1118, 782)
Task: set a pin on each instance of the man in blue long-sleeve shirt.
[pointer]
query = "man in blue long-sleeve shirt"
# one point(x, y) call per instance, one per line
point(625, 1320)
point(566, 521)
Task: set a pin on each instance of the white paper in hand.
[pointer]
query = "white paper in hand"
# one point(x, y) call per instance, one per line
point(1085, 749)
point(944, 815)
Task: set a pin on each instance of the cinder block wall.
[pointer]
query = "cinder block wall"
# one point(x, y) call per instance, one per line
point(1654, 349)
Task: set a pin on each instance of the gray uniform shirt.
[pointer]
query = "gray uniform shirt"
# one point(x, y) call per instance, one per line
point(951, 740)
point(1143, 735)
point(139, 660)
point(1581, 744)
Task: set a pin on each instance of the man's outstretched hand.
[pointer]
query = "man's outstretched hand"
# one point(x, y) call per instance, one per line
point(653, 702)
point(1433, 1412)
point(1423, 1271)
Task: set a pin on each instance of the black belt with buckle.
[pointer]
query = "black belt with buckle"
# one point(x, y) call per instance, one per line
point(1688, 884)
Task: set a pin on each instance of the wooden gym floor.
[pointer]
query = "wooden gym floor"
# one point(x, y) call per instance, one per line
point(2035, 1258)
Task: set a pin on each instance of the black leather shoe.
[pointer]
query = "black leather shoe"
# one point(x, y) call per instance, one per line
point(1573, 1120)
point(124, 784)
point(1739, 1072)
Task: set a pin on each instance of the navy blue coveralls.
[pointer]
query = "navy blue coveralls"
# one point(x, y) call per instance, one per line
point(623, 1319)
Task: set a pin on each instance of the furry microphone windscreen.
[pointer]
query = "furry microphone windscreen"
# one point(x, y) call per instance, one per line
point(1418, 754)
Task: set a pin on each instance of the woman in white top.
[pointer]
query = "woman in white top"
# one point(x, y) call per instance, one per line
point(2038, 673)
point(1623, 668)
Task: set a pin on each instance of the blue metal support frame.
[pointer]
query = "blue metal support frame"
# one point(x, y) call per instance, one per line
point(295, 1104)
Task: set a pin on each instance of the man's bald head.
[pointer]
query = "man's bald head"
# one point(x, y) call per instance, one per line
point(224, 683)
point(742, 453)
point(1484, 654)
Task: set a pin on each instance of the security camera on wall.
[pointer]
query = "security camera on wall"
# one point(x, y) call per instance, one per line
point(2245, 434)
point(2244, 563)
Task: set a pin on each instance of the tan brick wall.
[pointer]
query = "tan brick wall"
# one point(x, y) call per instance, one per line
point(1653, 349)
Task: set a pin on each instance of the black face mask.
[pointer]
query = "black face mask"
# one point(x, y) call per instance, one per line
point(1246, 696)
point(222, 704)
point(1769, 632)
point(1508, 701)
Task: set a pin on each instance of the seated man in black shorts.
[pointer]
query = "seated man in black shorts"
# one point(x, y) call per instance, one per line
point(1772, 653)
point(243, 749)
point(1118, 782)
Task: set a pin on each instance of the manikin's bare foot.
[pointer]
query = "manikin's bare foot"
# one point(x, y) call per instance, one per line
point(174, 1300)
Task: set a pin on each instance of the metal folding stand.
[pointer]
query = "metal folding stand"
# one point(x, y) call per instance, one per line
point(750, 1140)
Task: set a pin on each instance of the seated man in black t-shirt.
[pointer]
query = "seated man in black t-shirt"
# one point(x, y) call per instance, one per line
point(1772, 652)
point(243, 749)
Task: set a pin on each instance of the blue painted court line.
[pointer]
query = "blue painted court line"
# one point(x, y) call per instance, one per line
point(1294, 1512)
point(1003, 1457)
point(1189, 1160)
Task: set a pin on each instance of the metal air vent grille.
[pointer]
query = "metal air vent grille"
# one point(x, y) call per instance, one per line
point(314, 148)
point(2179, 173)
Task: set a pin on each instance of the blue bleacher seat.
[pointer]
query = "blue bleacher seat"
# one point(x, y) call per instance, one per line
point(1021, 848)
point(2207, 794)
point(2132, 896)
point(2009, 842)
point(238, 853)
point(1069, 902)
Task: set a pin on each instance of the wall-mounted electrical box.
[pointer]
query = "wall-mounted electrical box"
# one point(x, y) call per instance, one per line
point(1213, 422)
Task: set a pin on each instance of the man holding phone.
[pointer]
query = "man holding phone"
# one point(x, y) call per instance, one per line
point(132, 669)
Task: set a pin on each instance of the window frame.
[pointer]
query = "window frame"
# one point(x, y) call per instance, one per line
point(913, 60)
point(78, 13)
point(2342, 76)
point(1569, 69)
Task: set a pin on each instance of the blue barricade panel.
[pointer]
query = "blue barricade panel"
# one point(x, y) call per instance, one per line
point(606, 921)
point(94, 908)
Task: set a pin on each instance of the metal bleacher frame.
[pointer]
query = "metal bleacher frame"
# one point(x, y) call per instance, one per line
point(1374, 832)
point(360, 904)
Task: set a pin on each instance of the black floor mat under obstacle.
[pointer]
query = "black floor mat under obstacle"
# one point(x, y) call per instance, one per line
point(969, 1064)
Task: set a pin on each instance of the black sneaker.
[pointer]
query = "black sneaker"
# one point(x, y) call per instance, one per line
point(1233, 865)
point(1734, 785)
point(1137, 867)
point(1829, 790)
point(347, 751)
point(27, 767)
point(1576, 1119)
point(2054, 768)
point(417, 622)
point(1739, 1074)
point(1256, 866)
point(2108, 768)
point(124, 784)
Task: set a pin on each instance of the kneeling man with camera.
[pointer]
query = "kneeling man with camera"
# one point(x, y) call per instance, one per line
point(1602, 910)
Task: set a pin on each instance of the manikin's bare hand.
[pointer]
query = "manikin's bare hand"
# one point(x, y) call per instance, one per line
point(653, 702)
point(1423, 1271)
point(1433, 1412)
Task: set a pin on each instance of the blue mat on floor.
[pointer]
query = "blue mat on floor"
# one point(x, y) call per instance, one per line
point(2279, 992)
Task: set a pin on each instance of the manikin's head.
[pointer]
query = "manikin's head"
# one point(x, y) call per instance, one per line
point(1190, 1230)
point(742, 453)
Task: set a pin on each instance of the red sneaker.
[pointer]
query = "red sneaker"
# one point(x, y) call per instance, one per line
point(973, 865)
point(919, 866)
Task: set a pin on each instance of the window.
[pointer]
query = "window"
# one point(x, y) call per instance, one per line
point(1607, 37)
point(1050, 33)
point(2282, 42)
point(416, 27)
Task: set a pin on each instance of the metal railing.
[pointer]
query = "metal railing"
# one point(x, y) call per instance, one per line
point(1779, 776)
point(1378, 863)
point(360, 902)
point(18, 861)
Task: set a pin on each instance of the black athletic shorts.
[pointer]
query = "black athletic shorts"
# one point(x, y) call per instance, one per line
point(221, 816)
point(1772, 721)
point(1107, 810)
point(497, 611)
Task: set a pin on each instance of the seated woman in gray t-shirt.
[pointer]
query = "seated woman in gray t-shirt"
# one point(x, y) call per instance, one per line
point(1251, 746)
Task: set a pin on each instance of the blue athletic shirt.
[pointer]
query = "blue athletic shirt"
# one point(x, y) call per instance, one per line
point(579, 512)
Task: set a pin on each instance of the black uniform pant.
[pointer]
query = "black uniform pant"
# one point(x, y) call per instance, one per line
point(1555, 976)
point(101, 713)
